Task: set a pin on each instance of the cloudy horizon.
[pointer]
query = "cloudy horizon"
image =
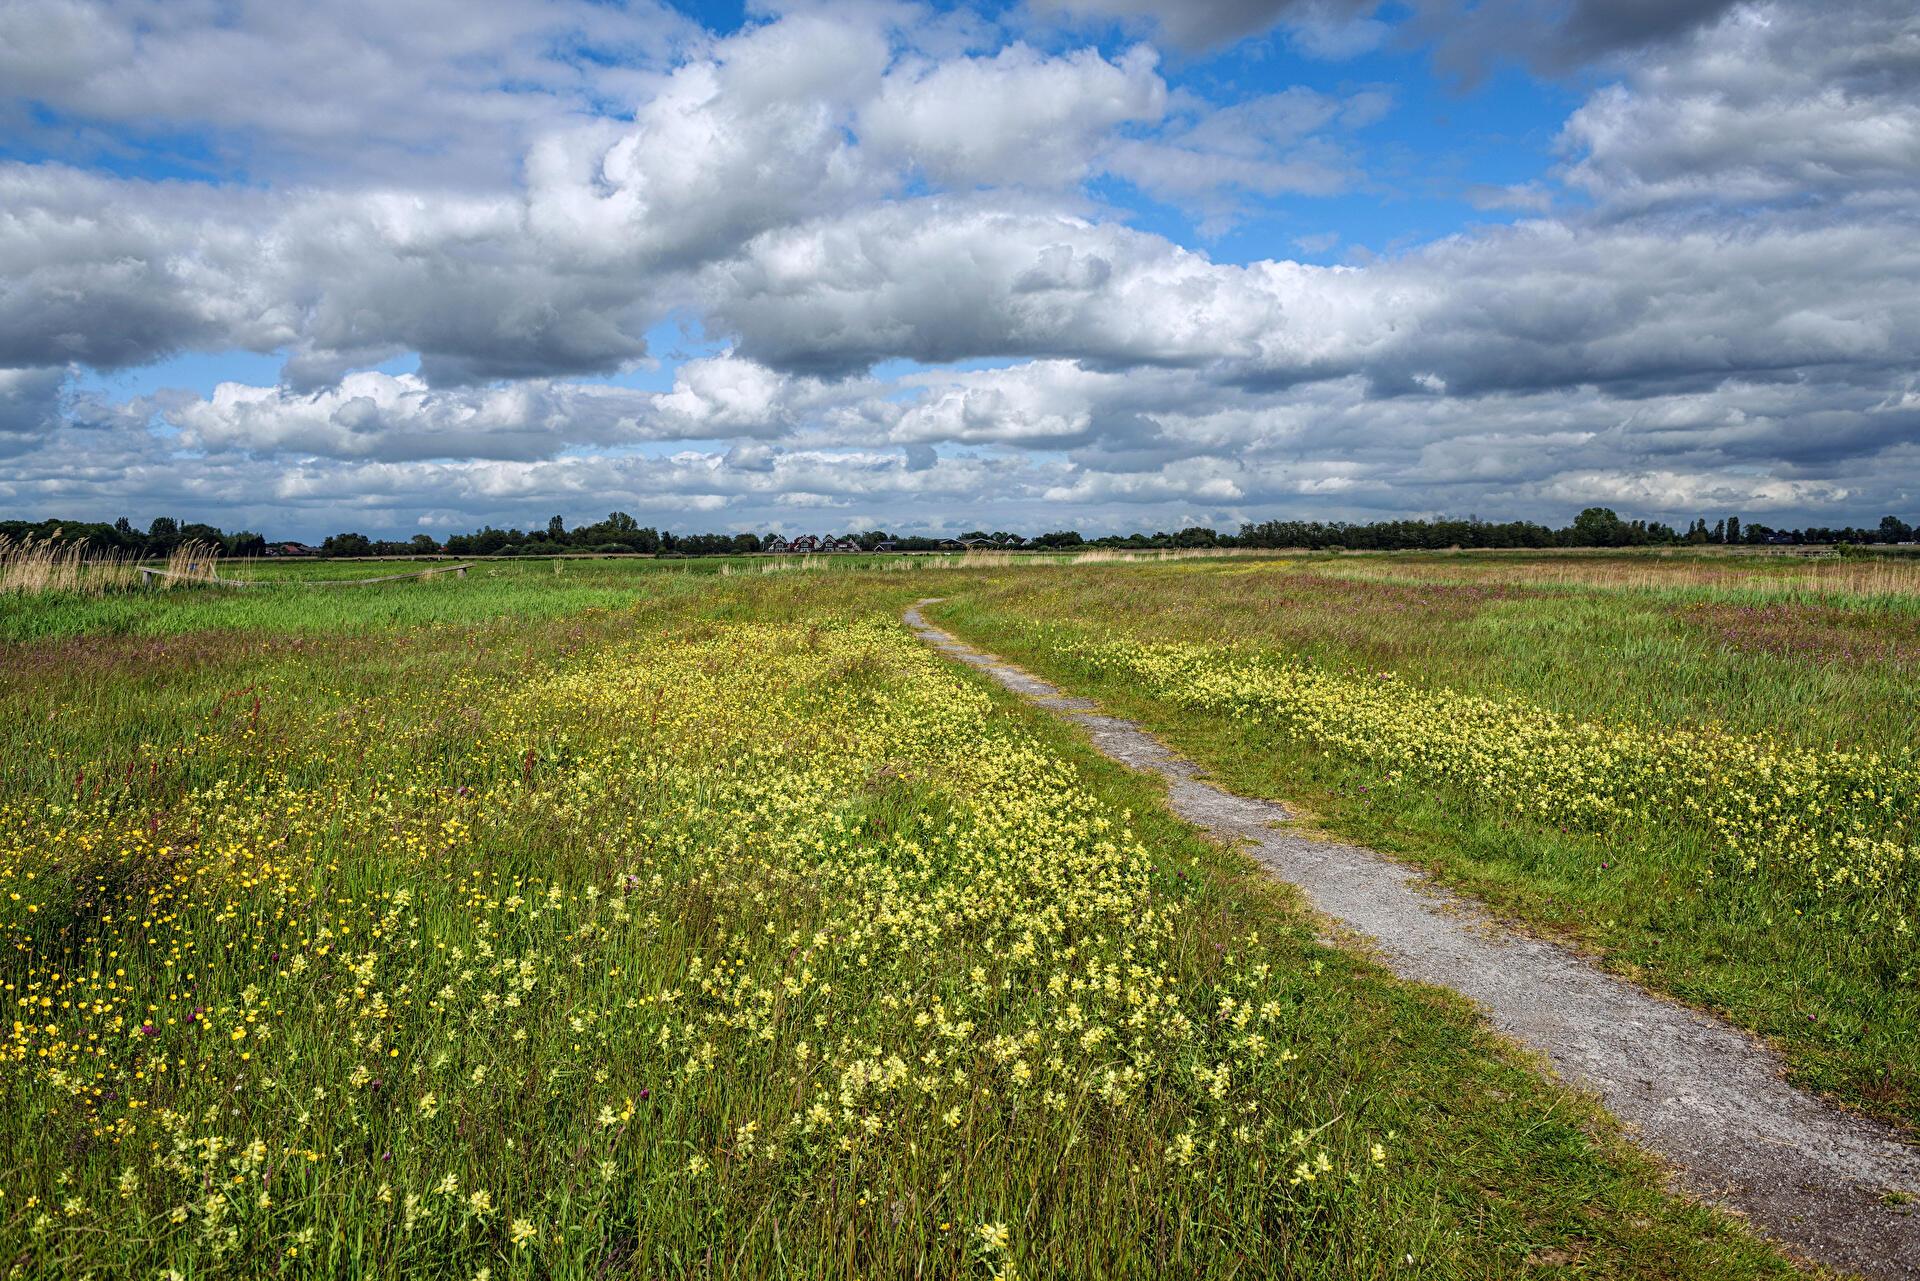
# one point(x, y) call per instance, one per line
point(1099, 264)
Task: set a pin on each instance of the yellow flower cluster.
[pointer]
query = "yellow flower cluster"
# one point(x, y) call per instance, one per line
point(1839, 826)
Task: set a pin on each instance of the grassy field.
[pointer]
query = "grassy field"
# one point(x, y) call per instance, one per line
point(1700, 768)
point(299, 595)
point(306, 595)
point(634, 922)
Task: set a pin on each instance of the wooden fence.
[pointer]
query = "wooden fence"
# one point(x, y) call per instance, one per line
point(152, 574)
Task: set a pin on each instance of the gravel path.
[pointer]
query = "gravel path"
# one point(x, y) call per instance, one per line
point(1704, 1096)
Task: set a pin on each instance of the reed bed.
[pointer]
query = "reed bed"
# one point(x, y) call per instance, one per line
point(31, 567)
point(37, 567)
point(40, 567)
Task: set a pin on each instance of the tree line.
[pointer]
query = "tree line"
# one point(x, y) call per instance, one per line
point(1594, 527)
point(620, 532)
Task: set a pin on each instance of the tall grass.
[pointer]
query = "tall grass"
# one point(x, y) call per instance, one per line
point(41, 567)
point(32, 567)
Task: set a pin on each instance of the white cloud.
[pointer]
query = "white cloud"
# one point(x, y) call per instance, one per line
point(1775, 103)
point(1016, 118)
point(373, 415)
point(446, 91)
point(751, 137)
point(1671, 491)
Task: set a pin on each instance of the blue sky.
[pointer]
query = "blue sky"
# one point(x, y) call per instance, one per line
point(1104, 263)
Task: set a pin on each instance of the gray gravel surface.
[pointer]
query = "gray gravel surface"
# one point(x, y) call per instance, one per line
point(1706, 1097)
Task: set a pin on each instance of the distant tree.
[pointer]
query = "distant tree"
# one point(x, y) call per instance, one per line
point(1598, 527)
point(162, 535)
point(556, 529)
point(1733, 529)
point(485, 541)
point(124, 528)
point(423, 545)
point(1894, 530)
point(346, 545)
point(245, 543)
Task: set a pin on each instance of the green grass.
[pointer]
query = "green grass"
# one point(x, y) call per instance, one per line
point(1654, 900)
point(304, 596)
point(772, 780)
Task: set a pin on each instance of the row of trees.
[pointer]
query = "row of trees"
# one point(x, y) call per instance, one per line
point(159, 538)
point(1594, 527)
point(620, 532)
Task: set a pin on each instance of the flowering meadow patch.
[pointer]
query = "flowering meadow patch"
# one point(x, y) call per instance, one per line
point(706, 930)
point(1834, 831)
point(699, 925)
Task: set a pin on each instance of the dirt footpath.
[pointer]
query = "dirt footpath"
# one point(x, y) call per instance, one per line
point(1704, 1096)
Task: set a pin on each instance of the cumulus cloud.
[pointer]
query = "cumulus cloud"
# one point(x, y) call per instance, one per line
point(1541, 304)
point(1016, 118)
point(751, 136)
point(373, 415)
point(564, 274)
point(446, 90)
point(112, 273)
point(941, 280)
point(1776, 103)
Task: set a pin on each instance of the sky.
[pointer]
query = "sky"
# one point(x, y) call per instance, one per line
point(419, 265)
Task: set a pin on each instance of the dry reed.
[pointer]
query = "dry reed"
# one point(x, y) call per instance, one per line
point(33, 567)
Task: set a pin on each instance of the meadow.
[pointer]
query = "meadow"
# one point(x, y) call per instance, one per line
point(647, 920)
point(1699, 769)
